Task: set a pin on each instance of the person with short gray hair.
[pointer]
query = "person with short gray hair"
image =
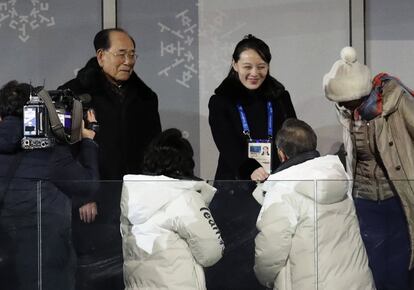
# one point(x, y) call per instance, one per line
point(295, 137)
point(127, 111)
point(304, 197)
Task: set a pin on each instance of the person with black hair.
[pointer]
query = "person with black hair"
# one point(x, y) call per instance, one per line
point(168, 232)
point(286, 246)
point(36, 187)
point(246, 111)
point(127, 111)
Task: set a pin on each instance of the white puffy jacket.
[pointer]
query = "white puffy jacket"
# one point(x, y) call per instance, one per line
point(308, 231)
point(168, 232)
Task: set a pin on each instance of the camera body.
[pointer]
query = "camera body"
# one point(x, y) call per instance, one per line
point(36, 130)
point(51, 116)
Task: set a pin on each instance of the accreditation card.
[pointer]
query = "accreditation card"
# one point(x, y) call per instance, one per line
point(261, 151)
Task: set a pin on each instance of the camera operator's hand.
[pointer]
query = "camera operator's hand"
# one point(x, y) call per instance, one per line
point(86, 133)
point(88, 212)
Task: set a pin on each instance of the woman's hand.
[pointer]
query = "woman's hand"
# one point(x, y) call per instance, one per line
point(259, 174)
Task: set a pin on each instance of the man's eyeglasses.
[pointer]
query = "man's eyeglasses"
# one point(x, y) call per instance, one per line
point(124, 54)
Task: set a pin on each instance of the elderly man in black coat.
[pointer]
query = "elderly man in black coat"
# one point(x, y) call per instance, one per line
point(127, 111)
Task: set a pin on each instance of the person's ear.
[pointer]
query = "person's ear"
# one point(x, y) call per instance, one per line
point(99, 56)
point(235, 66)
point(282, 156)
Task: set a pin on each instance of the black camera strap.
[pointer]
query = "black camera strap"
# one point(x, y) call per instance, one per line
point(77, 116)
point(55, 122)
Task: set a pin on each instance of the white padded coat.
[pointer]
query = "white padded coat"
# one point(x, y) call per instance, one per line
point(168, 233)
point(308, 231)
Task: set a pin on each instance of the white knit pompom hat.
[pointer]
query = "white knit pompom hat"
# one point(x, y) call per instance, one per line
point(348, 80)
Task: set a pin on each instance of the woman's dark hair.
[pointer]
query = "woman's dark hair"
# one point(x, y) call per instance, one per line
point(251, 42)
point(169, 154)
point(13, 96)
point(102, 40)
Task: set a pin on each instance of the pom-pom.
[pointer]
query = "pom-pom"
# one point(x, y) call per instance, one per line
point(348, 54)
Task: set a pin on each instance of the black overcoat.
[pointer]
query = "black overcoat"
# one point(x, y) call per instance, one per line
point(233, 206)
point(129, 119)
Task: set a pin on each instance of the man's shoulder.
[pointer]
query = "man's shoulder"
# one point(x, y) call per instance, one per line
point(87, 77)
point(142, 88)
point(73, 84)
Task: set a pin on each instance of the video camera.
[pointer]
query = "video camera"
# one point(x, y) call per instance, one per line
point(51, 116)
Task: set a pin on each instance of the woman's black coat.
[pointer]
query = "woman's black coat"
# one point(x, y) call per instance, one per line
point(226, 127)
point(233, 207)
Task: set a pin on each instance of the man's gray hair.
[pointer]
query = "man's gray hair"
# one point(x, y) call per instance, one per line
point(296, 137)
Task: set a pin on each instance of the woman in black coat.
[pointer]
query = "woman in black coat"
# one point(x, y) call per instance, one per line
point(248, 93)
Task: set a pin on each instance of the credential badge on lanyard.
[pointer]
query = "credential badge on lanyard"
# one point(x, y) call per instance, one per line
point(259, 149)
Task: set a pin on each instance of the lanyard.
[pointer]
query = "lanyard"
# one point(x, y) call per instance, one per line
point(246, 130)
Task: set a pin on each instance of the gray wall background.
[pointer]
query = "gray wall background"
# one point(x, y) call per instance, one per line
point(50, 40)
point(390, 38)
point(46, 41)
point(305, 38)
point(166, 34)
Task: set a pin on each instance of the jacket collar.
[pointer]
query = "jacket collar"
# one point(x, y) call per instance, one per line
point(91, 76)
point(391, 97)
point(383, 102)
point(303, 157)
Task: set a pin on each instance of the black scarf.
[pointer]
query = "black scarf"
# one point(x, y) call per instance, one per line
point(298, 159)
